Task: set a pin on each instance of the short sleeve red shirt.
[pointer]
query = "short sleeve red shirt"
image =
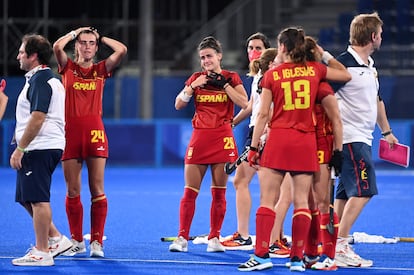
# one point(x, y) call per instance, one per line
point(295, 89)
point(84, 89)
point(213, 107)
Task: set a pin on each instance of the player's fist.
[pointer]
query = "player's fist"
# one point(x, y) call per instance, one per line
point(2, 85)
point(336, 161)
point(217, 80)
point(253, 156)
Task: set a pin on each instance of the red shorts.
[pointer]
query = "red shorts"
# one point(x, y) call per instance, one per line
point(290, 150)
point(210, 146)
point(85, 137)
point(325, 148)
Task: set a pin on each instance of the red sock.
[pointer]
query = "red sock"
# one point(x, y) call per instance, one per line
point(187, 208)
point(265, 218)
point(313, 238)
point(300, 229)
point(217, 210)
point(99, 210)
point(328, 240)
point(74, 212)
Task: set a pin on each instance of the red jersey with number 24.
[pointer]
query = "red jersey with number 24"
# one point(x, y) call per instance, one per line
point(84, 88)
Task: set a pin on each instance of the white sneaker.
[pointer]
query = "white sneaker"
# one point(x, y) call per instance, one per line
point(179, 245)
point(214, 245)
point(77, 248)
point(59, 245)
point(96, 250)
point(325, 263)
point(35, 257)
point(364, 262)
point(346, 256)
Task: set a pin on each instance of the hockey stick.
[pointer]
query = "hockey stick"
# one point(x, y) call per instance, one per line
point(229, 167)
point(171, 239)
point(405, 239)
point(330, 226)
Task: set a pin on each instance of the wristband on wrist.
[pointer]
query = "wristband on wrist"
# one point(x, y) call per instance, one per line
point(254, 149)
point(326, 56)
point(384, 134)
point(72, 35)
point(226, 85)
point(184, 96)
point(23, 150)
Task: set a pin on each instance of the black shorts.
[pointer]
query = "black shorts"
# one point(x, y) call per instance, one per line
point(35, 177)
point(358, 173)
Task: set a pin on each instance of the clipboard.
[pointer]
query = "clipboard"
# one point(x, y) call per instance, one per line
point(399, 154)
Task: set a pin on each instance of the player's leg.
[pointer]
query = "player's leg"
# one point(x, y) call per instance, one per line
point(302, 218)
point(241, 238)
point(270, 181)
point(218, 207)
point(359, 185)
point(193, 175)
point(279, 247)
point(322, 193)
point(74, 209)
point(99, 203)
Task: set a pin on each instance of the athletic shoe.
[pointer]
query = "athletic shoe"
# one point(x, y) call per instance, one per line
point(279, 250)
point(297, 264)
point(96, 249)
point(285, 242)
point(77, 248)
point(310, 260)
point(325, 263)
point(35, 257)
point(59, 245)
point(179, 245)
point(214, 245)
point(256, 263)
point(238, 243)
point(346, 256)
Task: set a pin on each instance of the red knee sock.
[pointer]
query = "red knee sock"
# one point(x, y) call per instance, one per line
point(313, 238)
point(265, 218)
point(74, 212)
point(329, 240)
point(99, 210)
point(187, 209)
point(300, 229)
point(217, 210)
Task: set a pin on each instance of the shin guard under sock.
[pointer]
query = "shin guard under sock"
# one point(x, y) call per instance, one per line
point(265, 219)
point(74, 212)
point(187, 209)
point(328, 239)
point(99, 211)
point(313, 238)
point(300, 230)
point(217, 210)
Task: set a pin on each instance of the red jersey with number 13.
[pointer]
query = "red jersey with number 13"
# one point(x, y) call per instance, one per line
point(84, 88)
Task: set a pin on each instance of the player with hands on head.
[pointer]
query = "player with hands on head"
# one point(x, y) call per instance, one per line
point(40, 139)
point(3, 98)
point(291, 134)
point(212, 142)
point(86, 140)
